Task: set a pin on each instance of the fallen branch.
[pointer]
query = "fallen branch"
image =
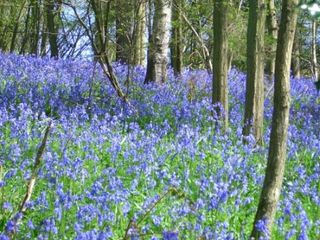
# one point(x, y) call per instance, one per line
point(32, 181)
point(35, 170)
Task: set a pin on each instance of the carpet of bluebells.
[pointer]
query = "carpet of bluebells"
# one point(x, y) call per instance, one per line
point(157, 169)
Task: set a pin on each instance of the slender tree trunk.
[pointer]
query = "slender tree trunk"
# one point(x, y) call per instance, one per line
point(159, 45)
point(44, 38)
point(52, 11)
point(295, 65)
point(35, 27)
point(280, 120)
point(314, 51)
point(176, 40)
point(272, 31)
point(140, 36)
point(220, 59)
point(253, 118)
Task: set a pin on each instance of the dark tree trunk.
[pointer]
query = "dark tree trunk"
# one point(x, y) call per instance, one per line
point(123, 32)
point(35, 27)
point(220, 59)
point(176, 39)
point(52, 11)
point(280, 120)
point(253, 118)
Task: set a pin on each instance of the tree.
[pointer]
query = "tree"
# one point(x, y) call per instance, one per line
point(159, 43)
point(280, 120)
point(140, 37)
point(253, 118)
point(53, 9)
point(176, 38)
point(220, 61)
point(315, 71)
point(124, 13)
point(295, 65)
point(272, 27)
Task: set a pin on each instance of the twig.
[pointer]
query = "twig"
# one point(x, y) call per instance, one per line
point(269, 91)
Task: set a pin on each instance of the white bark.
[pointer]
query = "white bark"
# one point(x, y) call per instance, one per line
point(161, 38)
point(159, 46)
point(314, 51)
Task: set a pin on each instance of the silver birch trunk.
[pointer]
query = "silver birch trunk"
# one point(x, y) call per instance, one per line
point(159, 45)
point(314, 51)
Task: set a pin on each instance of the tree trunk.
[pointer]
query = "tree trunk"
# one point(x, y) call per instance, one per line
point(123, 22)
point(52, 29)
point(280, 120)
point(35, 27)
point(176, 40)
point(159, 45)
point(140, 35)
point(44, 38)
point(314, 51)
point(220, 61)
point(272, 31)
point(253, 118)
point(295, 65)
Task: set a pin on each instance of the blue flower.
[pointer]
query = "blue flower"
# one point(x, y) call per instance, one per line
point(170, 235)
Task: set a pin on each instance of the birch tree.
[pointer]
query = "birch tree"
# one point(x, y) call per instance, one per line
point(272, 27)
point(159, 43)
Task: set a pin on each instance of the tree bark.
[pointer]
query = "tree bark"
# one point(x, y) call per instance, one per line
point(124, 15)
point(159, 45)
point(253, 118)
point(35, 27)
point(140, 36)
point(272, 31)
point(295, 65)
point(280, 120)
point(220, 61)
point(52, 29)
point(176, 39)
point(315, 71)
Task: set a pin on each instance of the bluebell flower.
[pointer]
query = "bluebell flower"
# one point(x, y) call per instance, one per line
point(261, 226)
point(170, 235)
